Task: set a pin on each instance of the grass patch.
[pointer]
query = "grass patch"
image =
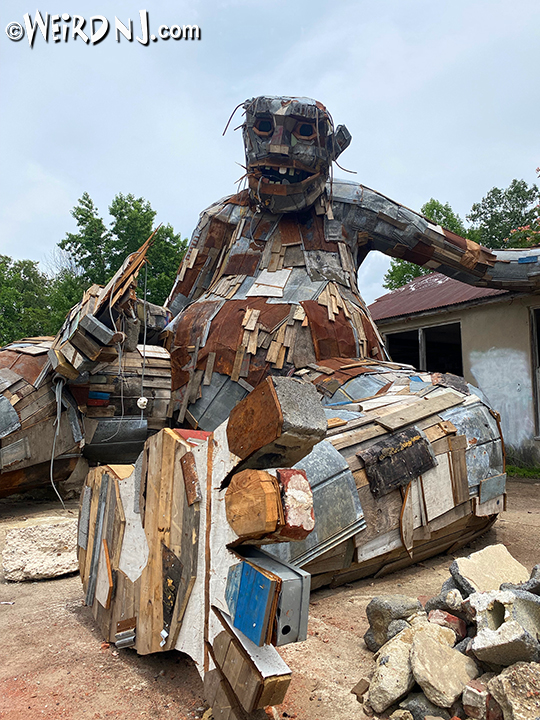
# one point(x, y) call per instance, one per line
point(527, 472)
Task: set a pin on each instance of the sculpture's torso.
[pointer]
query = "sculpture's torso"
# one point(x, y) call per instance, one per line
point(263, 294)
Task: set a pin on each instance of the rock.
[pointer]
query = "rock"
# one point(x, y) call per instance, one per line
point(395, 627)
point(449, 599)
point(393, 676)
point(417, 618)
point(43, 550)
point(371, 643)
point(464, 646)
point(445, 619)
point(509, 644)
point(380, 613)
point(441, 671)
point(532, 585)
point(401, 715)
point(517, 690)
point(487, 569)
point(420, 707)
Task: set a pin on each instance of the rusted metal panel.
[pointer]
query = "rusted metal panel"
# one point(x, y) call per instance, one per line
point(191, 479)
point(331, 339)
point(28, 367)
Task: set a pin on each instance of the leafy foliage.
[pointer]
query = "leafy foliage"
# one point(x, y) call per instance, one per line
point(443, 215)
point(402, 272)
point(502, 211)
point(24, 300)
point(99, 251)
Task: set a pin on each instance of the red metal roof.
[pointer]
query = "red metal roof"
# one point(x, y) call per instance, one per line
point(428, 292)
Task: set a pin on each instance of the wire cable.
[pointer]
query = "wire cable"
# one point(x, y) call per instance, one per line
point(59, 384)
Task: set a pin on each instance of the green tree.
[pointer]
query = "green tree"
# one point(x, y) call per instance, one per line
point(504, 210)
point(24, 300)
point(99, 250)
point(443, 215)
point(402, 272)
point(92, 247)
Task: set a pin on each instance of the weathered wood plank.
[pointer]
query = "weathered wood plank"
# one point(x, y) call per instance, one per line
point(419, 410)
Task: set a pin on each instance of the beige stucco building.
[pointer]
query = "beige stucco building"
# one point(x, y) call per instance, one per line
point(491, 337)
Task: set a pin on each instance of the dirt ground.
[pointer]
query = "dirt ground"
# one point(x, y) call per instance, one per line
point(53, 663)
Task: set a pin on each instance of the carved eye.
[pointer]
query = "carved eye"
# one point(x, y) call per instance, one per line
point(263, 126)
point(305, 130)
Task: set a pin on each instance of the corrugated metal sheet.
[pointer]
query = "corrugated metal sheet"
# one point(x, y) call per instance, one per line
point(426, 293)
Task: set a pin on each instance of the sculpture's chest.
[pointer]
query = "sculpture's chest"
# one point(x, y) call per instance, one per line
point(303, 240)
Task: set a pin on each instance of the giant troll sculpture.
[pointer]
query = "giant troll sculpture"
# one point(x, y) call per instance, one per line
point(286, 251)
point(285, 424)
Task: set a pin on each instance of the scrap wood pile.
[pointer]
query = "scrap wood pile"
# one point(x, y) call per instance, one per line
point(472, 652)
point(110, 351)
point(168, 547)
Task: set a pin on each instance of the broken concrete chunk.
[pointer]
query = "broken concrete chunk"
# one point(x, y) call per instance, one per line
point(517, 690)
point(525, 610)
point(393, 676)
point(508, 622)
point(445, 619)
point(420, 707)
point(509, 644)
point(532, 585)
point(401, 715)
point(487, 569)
point(44, 550)
point(441, 671)
point(380, 613)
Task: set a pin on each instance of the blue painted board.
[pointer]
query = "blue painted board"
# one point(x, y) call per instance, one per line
point(256, 593)
point(95, 395)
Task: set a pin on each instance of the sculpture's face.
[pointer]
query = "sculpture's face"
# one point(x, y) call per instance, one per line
point(290, 144)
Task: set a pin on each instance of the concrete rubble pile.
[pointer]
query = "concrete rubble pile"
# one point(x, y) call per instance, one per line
point(472, 652)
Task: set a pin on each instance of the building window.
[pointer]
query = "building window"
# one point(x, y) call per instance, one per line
point(436, 348)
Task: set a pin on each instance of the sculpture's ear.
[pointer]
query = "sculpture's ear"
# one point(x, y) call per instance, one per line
point(340, 141)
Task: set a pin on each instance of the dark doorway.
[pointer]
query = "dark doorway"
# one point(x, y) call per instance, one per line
point(403, 347)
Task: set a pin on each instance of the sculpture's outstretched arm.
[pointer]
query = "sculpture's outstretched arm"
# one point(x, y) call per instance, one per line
point(384, 225)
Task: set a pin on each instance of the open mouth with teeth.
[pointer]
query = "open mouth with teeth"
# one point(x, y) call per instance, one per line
point(280, 174)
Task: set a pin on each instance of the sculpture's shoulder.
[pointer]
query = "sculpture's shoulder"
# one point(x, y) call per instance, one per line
point(344, 191)
point(229, 209)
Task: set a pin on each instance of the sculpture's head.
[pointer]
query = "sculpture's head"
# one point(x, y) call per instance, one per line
point(290, 145)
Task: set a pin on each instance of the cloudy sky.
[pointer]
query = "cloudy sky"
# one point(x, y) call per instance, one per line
point(441, 98)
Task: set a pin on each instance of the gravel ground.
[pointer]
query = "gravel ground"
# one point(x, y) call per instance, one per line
point(54, 665)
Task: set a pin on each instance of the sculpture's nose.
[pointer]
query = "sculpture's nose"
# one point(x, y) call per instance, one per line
point(278, 144)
